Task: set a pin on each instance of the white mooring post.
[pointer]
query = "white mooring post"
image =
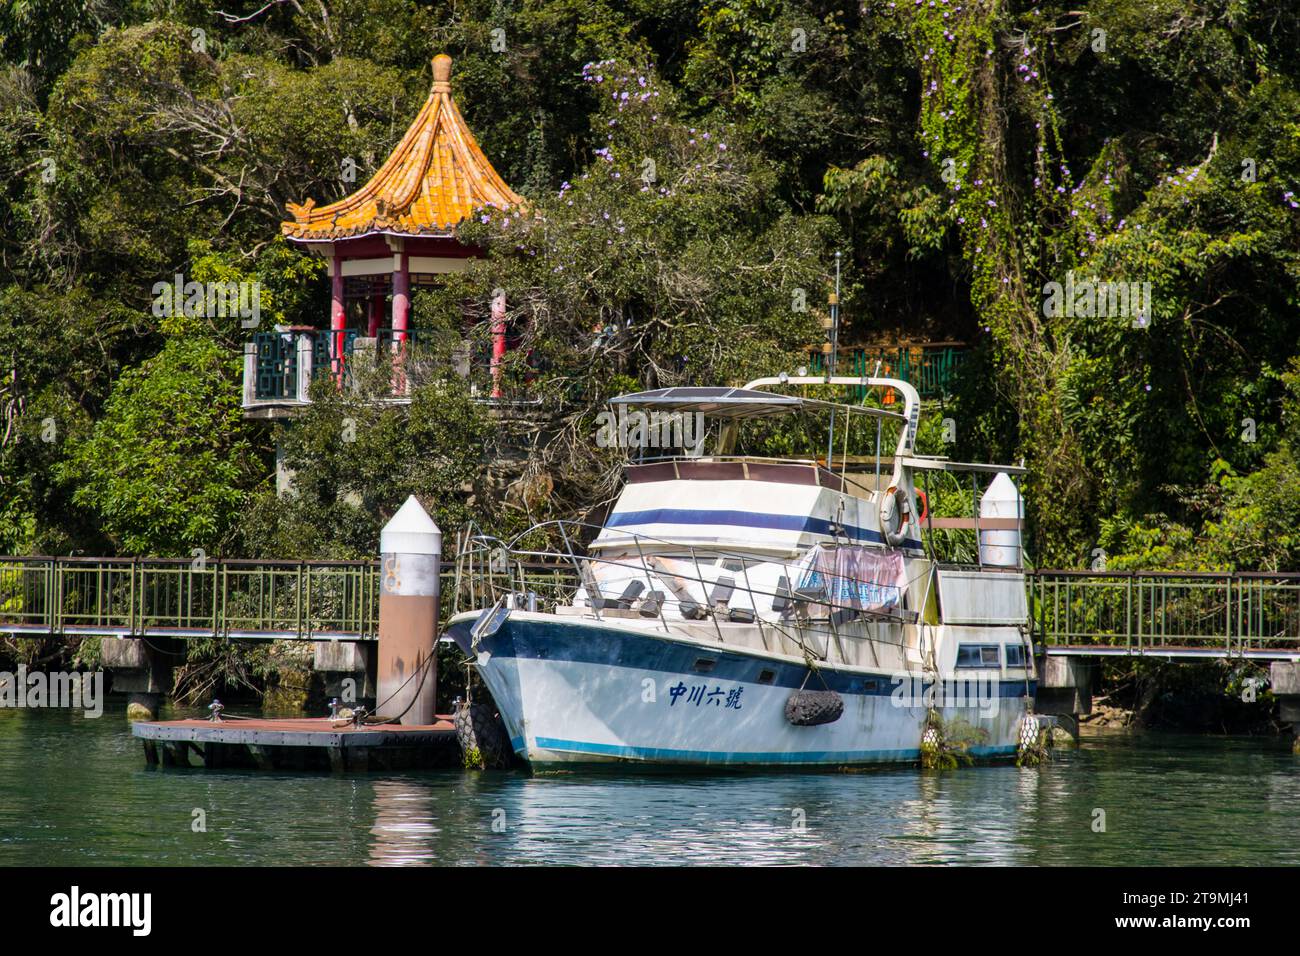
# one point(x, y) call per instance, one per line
point(1001, 548)
point(410, 552)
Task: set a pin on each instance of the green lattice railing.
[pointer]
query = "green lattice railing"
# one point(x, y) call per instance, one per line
point(930, 368)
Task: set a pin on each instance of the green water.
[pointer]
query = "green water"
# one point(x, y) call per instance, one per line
point(76, 792)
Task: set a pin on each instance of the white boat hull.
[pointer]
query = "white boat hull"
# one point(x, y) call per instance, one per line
point(581, 691)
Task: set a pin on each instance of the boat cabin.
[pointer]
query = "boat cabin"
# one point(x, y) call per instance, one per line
point(761, 505)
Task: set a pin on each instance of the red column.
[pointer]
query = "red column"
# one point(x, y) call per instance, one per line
point(338, 317)
point(401, 312)
point(498, 339)
point(401, 298)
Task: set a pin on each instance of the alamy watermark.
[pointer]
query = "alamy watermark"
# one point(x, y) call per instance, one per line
point(1093, 298)
point(980, 689)
point(212, 300)
point(637, 429)
point(133, 911)
point(55, 690)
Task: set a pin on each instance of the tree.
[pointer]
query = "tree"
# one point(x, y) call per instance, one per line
point(169, 467)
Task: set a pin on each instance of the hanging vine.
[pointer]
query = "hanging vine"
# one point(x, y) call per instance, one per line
point(982, 75)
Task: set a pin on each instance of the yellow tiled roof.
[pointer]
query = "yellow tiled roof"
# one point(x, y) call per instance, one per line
point(436, 177)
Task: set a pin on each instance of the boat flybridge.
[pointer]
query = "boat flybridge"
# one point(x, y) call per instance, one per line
point(749, 610)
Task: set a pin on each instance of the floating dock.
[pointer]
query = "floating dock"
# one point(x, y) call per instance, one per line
point(311, 743)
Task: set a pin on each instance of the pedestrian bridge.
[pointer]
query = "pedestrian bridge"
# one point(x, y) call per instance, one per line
point(1167, 615)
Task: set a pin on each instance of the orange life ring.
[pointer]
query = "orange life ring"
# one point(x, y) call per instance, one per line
point(925, 507)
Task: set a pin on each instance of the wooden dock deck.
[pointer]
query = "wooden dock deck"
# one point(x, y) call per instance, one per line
point(307, 743)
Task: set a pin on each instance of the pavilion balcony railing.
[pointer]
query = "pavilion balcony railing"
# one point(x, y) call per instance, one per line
point(280, 366)
point(930, 368)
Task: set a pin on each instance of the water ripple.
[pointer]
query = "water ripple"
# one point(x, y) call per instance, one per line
point(76, 792)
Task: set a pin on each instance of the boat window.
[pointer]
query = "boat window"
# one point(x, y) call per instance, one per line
point(978, 655)
point(1015, 655)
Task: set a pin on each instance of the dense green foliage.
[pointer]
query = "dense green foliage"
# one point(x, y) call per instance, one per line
point(691, 166)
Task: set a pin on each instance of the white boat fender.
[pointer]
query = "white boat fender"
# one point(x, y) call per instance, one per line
point(808, 708)
point(895, 515)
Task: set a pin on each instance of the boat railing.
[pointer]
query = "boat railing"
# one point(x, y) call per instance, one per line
point(709, 459)
point(705, 586)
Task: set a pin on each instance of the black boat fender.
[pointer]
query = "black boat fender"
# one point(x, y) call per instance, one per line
point(481, 733)
point(808, 708)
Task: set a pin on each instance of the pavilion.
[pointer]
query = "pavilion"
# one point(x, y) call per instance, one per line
point(396, 230)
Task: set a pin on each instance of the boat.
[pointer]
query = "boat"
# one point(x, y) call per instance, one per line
point(747, 611)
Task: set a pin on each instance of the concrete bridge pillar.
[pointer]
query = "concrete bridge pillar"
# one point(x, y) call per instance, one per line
point(1064, 690)
point(347, 669)
point(141, 670)
point(1284, 676)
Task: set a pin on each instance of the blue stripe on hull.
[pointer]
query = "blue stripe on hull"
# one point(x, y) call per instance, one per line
point(744, 757)
point(747, 519)
point(569, 640)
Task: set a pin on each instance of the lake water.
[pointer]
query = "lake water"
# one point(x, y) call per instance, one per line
point(75, 791)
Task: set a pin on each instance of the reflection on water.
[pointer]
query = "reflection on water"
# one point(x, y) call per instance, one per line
point(405, 828)
point(76, 791)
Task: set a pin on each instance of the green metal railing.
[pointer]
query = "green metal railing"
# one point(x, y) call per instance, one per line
point(1147, 612)
point(277, 366)
point(1228, 614)
point(280, 361)
point(930, 368)
point(159, 597)
point(163, 597)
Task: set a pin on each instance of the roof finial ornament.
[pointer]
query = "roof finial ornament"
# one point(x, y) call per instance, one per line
point(442, 73)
